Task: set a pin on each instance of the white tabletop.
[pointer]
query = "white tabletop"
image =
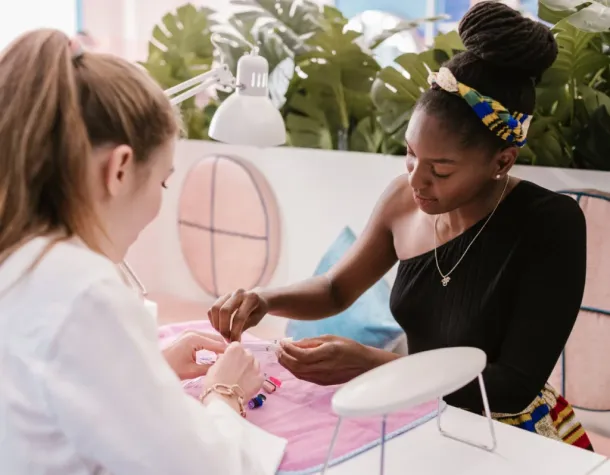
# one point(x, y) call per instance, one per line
point(603, 469)
point(426, 452)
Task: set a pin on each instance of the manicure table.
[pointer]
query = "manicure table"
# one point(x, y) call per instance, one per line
point(424, 451)
point(603, 469)
point(464, 443)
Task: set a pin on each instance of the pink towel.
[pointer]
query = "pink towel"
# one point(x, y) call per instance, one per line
point(301, 413)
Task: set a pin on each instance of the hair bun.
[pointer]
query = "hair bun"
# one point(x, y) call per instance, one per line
point(500, 35)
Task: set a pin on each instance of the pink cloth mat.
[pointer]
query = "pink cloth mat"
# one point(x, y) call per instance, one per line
point(301, 413)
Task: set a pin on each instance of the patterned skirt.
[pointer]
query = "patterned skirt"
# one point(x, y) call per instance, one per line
point(552, 416)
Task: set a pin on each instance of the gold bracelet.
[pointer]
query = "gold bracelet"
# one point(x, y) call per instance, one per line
point(230, 391)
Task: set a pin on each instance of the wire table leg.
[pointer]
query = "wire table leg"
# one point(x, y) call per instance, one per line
point(492, 431)
point(332, 446)
point(383, 433)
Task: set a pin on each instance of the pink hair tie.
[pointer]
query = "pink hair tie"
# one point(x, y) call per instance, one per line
point(76, 48)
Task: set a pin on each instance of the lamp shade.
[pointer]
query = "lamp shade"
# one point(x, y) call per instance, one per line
point(248, 117)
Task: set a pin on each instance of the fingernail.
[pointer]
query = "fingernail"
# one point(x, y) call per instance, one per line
point(269, 387)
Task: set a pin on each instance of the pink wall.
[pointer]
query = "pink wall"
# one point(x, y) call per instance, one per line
point(104, 22)
point(124, 26)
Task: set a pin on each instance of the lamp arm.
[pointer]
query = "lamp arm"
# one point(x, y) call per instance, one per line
point(220, 76)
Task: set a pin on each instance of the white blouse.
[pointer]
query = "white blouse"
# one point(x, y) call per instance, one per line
point(85, 390)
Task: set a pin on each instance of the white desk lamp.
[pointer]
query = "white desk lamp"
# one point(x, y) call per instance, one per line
point(246, 117)
point(408, 382)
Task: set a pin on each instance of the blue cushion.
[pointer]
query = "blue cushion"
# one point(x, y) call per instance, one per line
point(367, 321)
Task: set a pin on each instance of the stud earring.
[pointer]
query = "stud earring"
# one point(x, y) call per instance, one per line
point(498, 177)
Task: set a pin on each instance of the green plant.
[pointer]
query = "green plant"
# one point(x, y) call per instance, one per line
point(319, 76)
point(181, 48)
point(404, 25)
point(329, 96)
point(277, 28)
point(572, 115)
point(333, 94)
point(571, 122)
point(591, 16)
point(397, 88)
point(181, 45)
point(329, 102)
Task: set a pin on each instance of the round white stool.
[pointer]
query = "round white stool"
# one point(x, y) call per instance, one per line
point(407, 382)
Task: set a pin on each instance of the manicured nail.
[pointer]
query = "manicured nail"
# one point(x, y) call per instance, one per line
point(269, 387)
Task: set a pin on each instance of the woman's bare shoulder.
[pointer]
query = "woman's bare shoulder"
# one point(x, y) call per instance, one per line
point(397, 201)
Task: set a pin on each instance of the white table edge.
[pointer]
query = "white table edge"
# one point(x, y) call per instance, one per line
point(602, 468)
point(596, 461)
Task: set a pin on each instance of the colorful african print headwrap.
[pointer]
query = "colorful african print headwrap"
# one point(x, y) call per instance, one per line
point(511, 127)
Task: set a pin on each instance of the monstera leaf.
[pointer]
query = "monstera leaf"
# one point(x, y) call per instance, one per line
point(397, 89)
point(181, 47)
point(592, 148)
point(592, 144)
point(566, 101)
point(546, 144)
point(294, 21)
point(402, 26)
point(278, 29)
point(590, 16)
point(336, 76)
point(578, 60)
point(232, 45)
point(552, 16)
point(369, 137)
point(450, 43)
point(306, 123)
point(197, 120)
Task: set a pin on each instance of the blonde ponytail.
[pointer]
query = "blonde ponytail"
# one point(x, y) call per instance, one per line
point(55, 107)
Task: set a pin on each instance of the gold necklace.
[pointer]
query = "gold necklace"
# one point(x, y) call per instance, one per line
point(445, 279)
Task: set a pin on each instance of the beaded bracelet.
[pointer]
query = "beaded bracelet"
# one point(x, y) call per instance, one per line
point(230, 391)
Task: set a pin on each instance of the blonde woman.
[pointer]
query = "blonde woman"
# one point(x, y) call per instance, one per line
point(87, 143)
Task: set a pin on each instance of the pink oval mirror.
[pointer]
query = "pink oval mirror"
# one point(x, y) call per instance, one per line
point(229, 225)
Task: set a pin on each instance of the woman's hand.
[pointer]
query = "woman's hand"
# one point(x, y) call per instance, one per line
point(249, 309)
point(181, 353)
point(329, 360)
point(236, 366)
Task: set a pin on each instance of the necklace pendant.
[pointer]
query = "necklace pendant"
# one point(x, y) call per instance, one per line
point(445, 280)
